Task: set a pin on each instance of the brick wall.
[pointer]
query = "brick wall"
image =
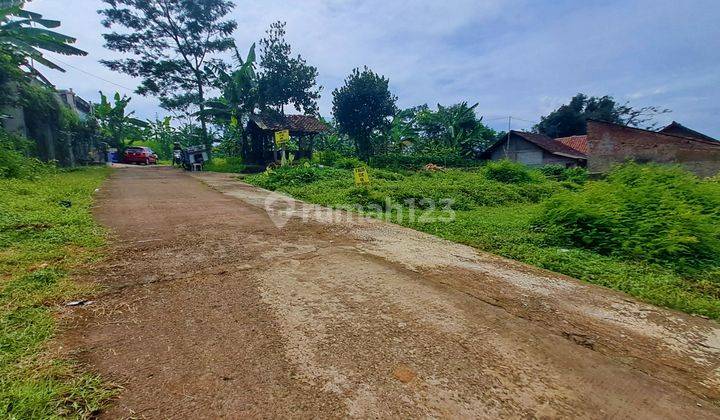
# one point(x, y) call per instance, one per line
point(610, 143)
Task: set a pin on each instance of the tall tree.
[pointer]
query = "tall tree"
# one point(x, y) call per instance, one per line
point(363, 107)
point(173, 44)
point(284, 79)
point(24, 35)
point(571, 119)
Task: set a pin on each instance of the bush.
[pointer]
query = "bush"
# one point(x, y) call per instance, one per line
point(561, 173)
point(659, 214)
point(290, 176)
point(507, 172)
point(417, 161)
point(13, 160)
point(228, 164)
point(337, 160)
point(465, 189)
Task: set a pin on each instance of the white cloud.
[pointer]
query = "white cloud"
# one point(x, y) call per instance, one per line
point(515, 57)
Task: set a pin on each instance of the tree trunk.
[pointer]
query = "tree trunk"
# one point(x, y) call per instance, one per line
point(203, 122)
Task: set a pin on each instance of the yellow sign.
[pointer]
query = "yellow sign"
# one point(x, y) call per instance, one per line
point(361, 176)
point(282, 137)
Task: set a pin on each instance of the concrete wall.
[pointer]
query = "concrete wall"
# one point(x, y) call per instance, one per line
point(521, 150)
point(609, 144)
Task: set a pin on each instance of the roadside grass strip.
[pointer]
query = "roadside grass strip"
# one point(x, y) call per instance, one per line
point(46, 232)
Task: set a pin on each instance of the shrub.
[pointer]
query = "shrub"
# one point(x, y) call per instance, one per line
point(659, 214)
point(561, 173)
point(417, 161)
point(290, 176)
point(507, 172)
point(227, 164)
point(13, 160)
point(335, 159)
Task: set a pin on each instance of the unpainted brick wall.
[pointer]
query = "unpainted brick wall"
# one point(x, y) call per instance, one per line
point(609, 144)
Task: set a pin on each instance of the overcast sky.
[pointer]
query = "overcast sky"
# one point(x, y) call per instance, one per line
point(515, 57)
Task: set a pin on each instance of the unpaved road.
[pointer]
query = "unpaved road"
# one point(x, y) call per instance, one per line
point(212, 311)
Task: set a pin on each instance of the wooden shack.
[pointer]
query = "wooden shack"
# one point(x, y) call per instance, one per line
point(262, 127)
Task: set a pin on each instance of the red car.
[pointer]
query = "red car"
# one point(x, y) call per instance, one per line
point(140, 155)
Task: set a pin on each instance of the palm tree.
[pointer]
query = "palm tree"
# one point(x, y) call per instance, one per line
point(20, 37)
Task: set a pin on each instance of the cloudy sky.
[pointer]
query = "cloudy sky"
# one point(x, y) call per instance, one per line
point(516, 58)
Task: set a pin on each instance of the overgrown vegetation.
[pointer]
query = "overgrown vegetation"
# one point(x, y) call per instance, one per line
point(46, 230)
point(229, 164)
point(661, 215)
point(15, 161)
point(646, 230)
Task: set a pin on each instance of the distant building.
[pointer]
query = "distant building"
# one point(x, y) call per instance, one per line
point(535, 150)
point(45, 134)
point(677, 129)
point(81, 107)
point(609, 144)
point(262, 128)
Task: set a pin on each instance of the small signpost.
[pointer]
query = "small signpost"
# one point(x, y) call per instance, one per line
point(282, 138)
point(361, 176)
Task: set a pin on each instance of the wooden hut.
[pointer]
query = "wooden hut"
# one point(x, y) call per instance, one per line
point(262, 127)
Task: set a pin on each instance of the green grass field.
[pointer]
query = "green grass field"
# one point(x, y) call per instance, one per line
point(501, 218)
point(46, 231)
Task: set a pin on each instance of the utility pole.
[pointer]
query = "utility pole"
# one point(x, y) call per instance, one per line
point(507, 143)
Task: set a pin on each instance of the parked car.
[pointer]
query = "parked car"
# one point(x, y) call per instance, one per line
point(140, 155)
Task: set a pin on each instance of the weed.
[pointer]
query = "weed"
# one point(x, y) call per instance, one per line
point(41, 241)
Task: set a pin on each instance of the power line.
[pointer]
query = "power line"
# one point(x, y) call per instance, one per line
point(93, 75)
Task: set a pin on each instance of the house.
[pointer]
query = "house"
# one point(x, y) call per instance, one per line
point(49, 142)
point(677, 129)
point(262, 128)
point(79, 105)
point(536, 150)
point(609, 144)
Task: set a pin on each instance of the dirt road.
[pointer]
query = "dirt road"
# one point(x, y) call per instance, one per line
point(213, 311)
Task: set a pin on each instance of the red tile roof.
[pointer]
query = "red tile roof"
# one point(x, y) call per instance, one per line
point(578, 143)
point(550, 145)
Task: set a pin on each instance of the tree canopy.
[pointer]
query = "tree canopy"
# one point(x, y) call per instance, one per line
point(571, 119)
point(173, 45)
point(284, 79)
point(455, 127)
point(363, 107)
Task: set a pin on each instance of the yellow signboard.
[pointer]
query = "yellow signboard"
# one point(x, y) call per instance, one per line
point(361, 176)
point(282, 137)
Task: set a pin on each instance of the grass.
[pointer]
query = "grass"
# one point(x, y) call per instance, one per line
point(228, 165)
point(501, 217)
point(46, 231)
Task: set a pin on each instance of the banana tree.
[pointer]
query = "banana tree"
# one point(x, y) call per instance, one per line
point(25, 34)
point(238, 100)
point(163, 134)
point(117, 125)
